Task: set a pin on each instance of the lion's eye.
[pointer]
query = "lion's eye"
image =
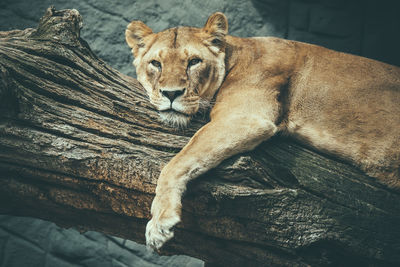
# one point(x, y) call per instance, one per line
point(194, 61)
point(156, 64)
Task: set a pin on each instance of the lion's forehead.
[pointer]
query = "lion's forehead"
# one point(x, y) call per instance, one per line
point(173, 55)
point(179, 36)
point(177, 43)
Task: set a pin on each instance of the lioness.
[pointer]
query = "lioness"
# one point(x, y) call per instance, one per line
point(342, 104)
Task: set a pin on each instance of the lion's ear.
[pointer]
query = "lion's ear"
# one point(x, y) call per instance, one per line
point(135, 35)
point(217, 27)
point(217, 24)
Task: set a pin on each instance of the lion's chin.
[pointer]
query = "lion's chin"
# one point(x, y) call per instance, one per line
point(175, 119)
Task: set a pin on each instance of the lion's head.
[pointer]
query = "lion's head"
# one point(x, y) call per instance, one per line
point(180, 68)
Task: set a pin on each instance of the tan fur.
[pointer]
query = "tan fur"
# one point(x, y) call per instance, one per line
point(342, 104)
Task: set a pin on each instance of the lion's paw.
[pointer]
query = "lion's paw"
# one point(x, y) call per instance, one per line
point(159, 232)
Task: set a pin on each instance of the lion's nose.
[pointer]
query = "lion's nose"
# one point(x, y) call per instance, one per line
point(172, 94)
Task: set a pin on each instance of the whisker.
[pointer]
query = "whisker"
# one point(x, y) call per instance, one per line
point(205, 105)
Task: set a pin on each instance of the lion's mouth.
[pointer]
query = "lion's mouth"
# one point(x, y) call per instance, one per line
point(174, 111)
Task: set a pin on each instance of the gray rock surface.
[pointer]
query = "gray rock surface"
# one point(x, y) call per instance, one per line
point(34, 242)
point(368, 28)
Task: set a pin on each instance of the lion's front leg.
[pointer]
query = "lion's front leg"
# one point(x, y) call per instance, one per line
point(165, 210)
point(212, 144)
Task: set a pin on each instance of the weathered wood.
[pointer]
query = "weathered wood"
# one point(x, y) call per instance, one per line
point(81, 146)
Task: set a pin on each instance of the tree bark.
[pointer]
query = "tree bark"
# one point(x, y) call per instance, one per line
point(80, 145)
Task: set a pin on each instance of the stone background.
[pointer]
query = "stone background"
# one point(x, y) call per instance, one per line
point(365, 27)
point(29, 242)
point(369, 28)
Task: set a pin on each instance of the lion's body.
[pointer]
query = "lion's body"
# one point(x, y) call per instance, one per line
point(341, 104)
point(338, 103)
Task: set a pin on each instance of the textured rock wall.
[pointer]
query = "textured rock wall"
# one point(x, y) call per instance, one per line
point(369, 28)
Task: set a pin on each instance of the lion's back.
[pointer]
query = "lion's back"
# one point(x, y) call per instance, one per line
point(348, 106)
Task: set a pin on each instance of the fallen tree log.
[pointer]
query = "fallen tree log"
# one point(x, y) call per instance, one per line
point(81, 146)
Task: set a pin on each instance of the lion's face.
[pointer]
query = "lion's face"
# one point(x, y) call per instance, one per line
point(180, 68)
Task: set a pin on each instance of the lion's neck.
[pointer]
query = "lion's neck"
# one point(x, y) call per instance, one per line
point(232, 53)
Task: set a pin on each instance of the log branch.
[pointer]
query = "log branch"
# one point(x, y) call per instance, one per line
point(80, 145)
